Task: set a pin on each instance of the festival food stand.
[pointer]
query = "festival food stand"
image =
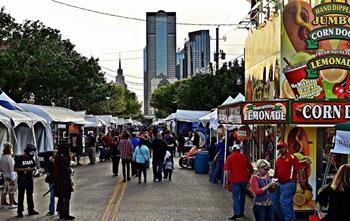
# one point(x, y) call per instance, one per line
point(299, 51)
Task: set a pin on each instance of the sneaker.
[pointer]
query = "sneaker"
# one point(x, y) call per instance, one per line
point(15, 203)
point(13, 206)
point(33, 213)
point(50, 214)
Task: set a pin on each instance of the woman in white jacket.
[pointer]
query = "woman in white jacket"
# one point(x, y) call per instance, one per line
point(10, 176)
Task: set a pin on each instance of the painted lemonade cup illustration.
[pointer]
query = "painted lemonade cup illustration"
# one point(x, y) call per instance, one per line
point(303, 87)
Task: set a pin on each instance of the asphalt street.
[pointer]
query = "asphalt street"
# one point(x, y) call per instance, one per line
point(101, 196)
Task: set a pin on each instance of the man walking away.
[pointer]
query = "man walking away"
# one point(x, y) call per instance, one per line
point(159, 148)
point(286, 170)
point(24, 166)
point(115, 156)
point(238, 169)
point(125, 148)
point(92, 147)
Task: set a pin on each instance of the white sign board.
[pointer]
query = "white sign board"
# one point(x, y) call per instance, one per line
point(342, 142)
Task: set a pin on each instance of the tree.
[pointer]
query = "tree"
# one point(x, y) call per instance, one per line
point(35, 62)
point(201, 92)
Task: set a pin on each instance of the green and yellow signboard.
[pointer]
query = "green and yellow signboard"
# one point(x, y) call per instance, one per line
point(315, 43)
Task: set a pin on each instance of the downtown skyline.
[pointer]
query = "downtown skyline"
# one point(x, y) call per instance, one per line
point(106, 37)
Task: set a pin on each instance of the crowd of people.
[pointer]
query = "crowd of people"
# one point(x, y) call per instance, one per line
point(273, 195)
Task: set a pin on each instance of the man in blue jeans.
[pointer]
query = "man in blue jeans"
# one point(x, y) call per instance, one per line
point(286, 170)
point(238, 169)
point(219, 159)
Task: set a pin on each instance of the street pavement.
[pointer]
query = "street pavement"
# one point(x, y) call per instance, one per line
point(101, 196)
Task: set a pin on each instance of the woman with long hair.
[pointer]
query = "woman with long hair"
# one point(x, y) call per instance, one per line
point(336, 197)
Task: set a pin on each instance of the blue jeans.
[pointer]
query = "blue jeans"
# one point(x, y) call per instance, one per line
point(263, 213)
point(283, 201)
point(52, 198)
point(157, 169)
point(219, 169)
point(239, 191)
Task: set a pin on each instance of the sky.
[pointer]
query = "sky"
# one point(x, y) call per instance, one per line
point(107, 37)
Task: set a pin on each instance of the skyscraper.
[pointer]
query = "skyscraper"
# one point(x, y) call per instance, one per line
point(197, 50)
point(160, 53)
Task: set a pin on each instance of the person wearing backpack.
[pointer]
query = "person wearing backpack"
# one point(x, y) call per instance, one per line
point(141, 157)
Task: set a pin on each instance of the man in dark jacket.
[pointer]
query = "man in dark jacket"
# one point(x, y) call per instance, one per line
point(63, 181)
point(24, 166)
point(159, 148)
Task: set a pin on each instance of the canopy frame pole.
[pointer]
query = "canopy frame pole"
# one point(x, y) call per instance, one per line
point(224, 176)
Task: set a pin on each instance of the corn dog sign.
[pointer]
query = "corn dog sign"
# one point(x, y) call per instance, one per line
point(315, 45)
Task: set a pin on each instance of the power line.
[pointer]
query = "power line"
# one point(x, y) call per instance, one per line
point(117, 52)
point(117, 72)
point(124, 59)
point(137, 19)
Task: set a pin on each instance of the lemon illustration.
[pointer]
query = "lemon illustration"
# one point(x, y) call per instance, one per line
point(300, 58)
point(287, 91)
point(308, 195)
point(299, 199)
point(333, 75)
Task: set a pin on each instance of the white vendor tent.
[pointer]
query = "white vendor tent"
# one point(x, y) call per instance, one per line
point(22, 130)
point(211, 118)
point(5, 126)
point(54, 114)
point(187, 115)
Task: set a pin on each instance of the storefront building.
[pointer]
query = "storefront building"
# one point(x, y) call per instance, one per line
point(298, 86)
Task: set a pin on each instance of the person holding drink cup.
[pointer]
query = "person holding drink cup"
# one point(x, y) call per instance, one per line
point(262, 186)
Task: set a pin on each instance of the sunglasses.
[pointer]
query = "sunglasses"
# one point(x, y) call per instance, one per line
point(266, 169)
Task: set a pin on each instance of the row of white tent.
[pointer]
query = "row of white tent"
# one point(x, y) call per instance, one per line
point(203, 117)
point(22, 123)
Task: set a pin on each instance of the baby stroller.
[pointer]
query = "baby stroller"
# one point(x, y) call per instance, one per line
point(105, 153)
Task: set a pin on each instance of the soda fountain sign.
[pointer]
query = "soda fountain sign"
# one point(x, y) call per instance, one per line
point(320, 112)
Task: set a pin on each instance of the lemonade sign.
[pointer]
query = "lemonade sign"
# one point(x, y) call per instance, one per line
point(316, 49)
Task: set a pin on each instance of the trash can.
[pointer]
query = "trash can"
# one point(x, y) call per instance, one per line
point(201, 164)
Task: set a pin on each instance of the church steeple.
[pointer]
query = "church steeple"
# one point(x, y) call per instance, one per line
point(120, 80)
point(120, 70)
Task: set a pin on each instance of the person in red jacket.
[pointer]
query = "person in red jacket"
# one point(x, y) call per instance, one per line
point(238, 169)
point(286, 171)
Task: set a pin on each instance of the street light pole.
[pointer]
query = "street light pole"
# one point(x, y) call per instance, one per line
point(69, 98)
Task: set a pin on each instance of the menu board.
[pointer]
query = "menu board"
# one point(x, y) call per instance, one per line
point(315, 49)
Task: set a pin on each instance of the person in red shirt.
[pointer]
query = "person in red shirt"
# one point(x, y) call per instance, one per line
point(286, 171)
point(238, 169)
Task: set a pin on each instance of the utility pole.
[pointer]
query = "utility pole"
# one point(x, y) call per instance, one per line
point(217, 50)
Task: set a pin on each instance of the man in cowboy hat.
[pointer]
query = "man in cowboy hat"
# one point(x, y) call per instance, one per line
point(24, 166)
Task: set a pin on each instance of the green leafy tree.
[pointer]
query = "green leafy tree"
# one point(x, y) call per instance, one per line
point(201, 92)
point(36, 63)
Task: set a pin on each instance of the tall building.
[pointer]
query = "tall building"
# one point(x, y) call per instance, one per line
point(180, 64)
point(160, 53)
point(120, 79)
point(197, 53)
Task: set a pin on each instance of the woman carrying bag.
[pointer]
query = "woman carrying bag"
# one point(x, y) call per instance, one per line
point(141, 157)
point(262, 185)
